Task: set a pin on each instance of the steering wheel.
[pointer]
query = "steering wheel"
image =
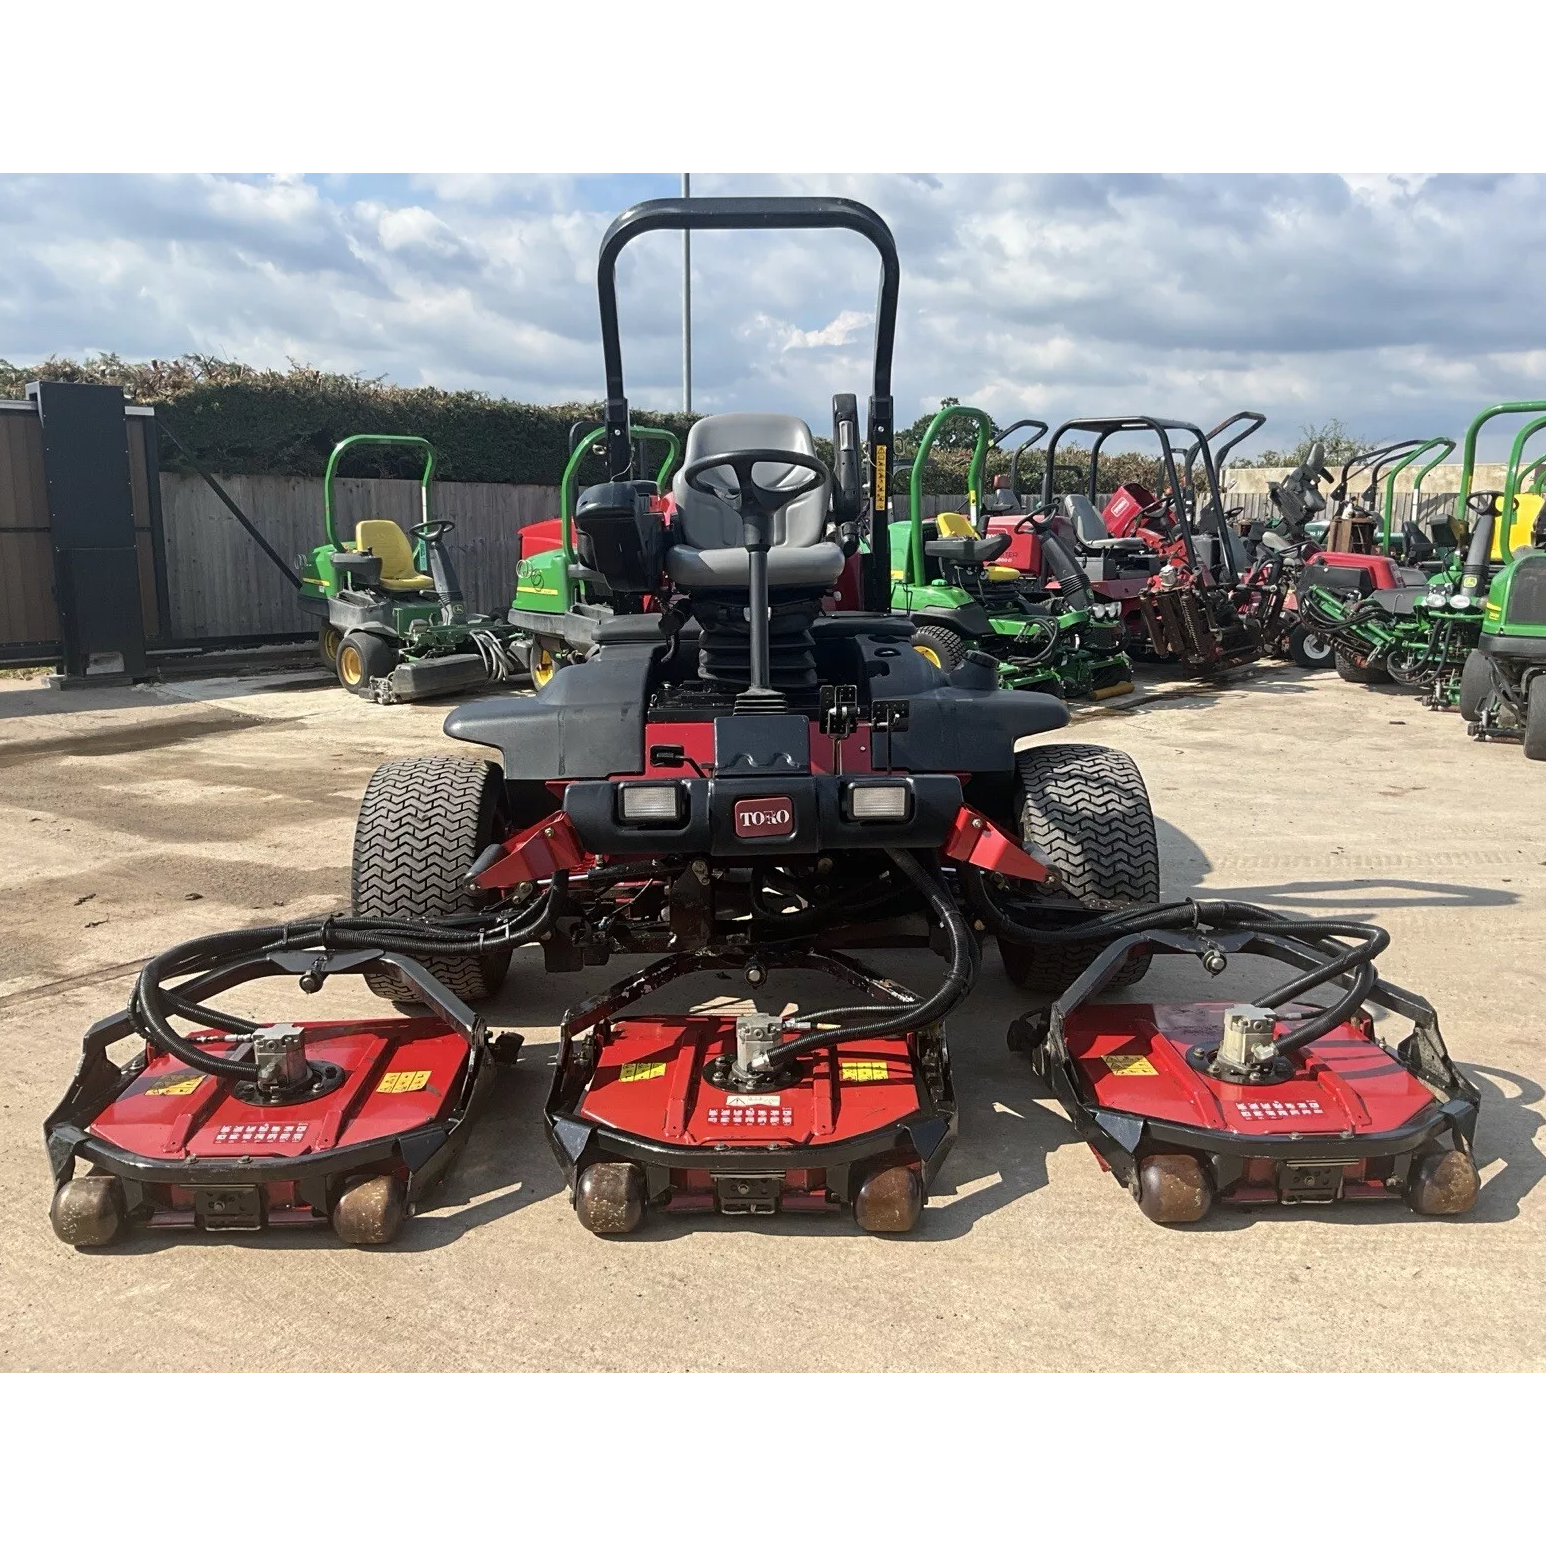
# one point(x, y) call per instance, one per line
point(1036, 518)
point(1482, 503)
point(431, 531)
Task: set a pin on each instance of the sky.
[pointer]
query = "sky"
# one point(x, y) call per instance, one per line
point(1398, 304)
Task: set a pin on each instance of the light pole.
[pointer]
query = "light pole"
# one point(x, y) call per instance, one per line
point(686, 304)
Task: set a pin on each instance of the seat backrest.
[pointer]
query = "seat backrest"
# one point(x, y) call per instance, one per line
point(954, 523)
point(705, 521)
point(1084, 518)
point(389, 542)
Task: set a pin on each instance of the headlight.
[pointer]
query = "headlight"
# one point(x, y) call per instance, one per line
point(651, 803)
point(1460, 601)
point(879, 802)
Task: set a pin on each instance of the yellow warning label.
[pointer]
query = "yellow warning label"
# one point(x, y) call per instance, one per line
point(865, 1073)
point(1129, 1063)
point(403, 1081)
point(880, 488)
point(177, 1086)
point(629, 1073)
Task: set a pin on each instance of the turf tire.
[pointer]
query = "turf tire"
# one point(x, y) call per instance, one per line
point(946, 645)
point(1475, 686)
point(361, 657)
point(1355, 668)
point(1309, 651)
point(1086, 807)
point(422, 823)
point(1535, 718)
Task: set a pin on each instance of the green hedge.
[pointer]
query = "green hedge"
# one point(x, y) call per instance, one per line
point(238, 419)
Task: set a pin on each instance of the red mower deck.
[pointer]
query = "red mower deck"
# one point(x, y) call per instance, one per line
point(1342, 1118)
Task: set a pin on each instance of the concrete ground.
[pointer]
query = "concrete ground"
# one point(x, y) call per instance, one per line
point(135, 819)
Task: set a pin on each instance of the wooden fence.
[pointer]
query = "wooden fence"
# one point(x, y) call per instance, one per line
point(221, 586)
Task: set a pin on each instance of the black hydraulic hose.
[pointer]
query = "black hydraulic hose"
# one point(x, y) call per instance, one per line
point(960, 973)
point(1334, 1014)
point(1355, 959)
point(1375, 940)
point(152, 1004)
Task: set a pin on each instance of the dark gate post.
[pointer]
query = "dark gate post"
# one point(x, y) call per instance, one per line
point(91, 521)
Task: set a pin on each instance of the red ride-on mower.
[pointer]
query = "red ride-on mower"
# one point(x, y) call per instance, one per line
point(1176, 571)
point(735, 779)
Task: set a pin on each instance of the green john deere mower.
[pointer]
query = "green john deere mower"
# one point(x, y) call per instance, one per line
point(559, 598)
point(391, 631)
point(1049, 634)
point(1503, 685)
point(1420, 634)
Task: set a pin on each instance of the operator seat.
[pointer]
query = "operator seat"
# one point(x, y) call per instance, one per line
point(959, 543)
point(709, 551)
point(388, 541)
point(1091, 531)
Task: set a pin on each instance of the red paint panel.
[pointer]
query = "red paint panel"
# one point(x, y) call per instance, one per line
point(156, 1118)
point(1132, 1058)
point(541, 537)
point(648, 1081)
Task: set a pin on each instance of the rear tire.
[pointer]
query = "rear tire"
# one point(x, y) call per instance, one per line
point(1356, 668)
point(1309, 650)
point(361, 658)
point(942, 647)
point(422, 823)
point(1475, 686)
point(328, 640)
point(1086, 807)
point(1535, 718)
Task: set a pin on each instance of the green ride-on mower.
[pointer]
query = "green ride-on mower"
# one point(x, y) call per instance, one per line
point(1503, 685)
point(1050, 634)
point(559, 600)
point(1420, 633)
point(390, 631)
point(741, 781)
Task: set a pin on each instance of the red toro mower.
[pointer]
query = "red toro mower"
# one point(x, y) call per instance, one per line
point(735, 780)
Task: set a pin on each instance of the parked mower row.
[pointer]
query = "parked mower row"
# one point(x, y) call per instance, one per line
point(762, 761)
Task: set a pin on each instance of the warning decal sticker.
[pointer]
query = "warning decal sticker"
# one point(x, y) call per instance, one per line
point(867, 1072)
point(177, 1084)
point(403, 1081)
point(629, 1073)
point(1129, 1063)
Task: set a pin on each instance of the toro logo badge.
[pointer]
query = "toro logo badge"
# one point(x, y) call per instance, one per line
point(764, 818)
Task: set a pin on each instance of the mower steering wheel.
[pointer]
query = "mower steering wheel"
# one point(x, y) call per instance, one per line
point(769, 501)
point(1037, 518)
point(431, 531)
point(1481, 503)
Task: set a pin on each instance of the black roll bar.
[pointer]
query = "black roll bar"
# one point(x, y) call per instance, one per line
point(765, 214)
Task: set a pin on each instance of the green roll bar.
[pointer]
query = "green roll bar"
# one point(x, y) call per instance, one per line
point(1468, 456)
point(1446, 445)
point(1513, 480)
point(373, 440)
point(567, 496)
point(915, 480)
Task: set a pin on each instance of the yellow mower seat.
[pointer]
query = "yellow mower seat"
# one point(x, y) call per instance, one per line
point(1527, 510)
point(388, 541)
point(956, 523)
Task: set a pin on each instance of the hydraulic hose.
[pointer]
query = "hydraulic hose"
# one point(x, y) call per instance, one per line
point(1316, 933)
point(961, 966)
point(152, 1004)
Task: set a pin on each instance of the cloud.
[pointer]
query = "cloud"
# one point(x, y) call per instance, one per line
point(1400, 304)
